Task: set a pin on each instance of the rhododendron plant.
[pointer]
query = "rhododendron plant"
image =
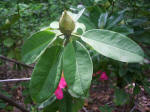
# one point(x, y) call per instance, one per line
point(60, 47)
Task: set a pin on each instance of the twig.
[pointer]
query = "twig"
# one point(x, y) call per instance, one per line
point(14, 61)
point(12, 102)
point(85, 109)
point(135, 104)
point(113, 3)
point(133, 108)
point(12, 80)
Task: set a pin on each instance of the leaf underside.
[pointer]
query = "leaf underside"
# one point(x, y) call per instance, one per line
point(114, 45)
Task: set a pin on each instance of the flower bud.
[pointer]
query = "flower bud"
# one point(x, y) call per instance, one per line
point(66, 24)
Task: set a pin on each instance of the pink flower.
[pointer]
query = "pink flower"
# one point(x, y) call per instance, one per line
point(59, 91)
point(103, 76)
point(97, 73)
point(94, 74)
point(62, 83)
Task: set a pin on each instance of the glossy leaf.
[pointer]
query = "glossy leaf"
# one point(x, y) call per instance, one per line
point(79, 14)
point(114, 20)
point(54, 24)
point(48, 102)
point(70, 104)
point(46, 75)
point(78, 68)
point(8, 42)
point(136, 90)
point(142, 36)
point(86, 21)
point(102, 20)
point(52, 107)
point(105, 108)
point(123, 29)
point(36, 45)
point(66, 103)
point(121, 97)
point(78, 27)
point(114, 45)
point(14, 18)
point(74, 16)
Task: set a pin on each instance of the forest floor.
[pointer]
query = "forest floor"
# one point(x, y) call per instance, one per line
point(100, 94)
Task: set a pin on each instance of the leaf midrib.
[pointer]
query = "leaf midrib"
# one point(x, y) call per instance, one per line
point(78, 71)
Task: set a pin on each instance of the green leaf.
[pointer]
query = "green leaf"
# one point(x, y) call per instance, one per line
point(79, 14)
point(136, 90)
point(142, 36)
point(106, 108)
point(70, 104)
point(8, 42)
point(121, 97)
point(113, 45)
point(13, 19)
point(74, 16)
point(2, 105)
point(146, 85)
point(87, 22)
point(102, 20)
point(79, 27)
point(49, 101)
point(52, 107)
point(36, 45)
point(123, 29)
point(77, 104)
point(65, 104)
point(54, 25)
point(114, 20)
point(78, 68)
point(46, 75)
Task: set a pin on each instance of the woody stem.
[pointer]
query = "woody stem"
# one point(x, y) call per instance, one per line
point(67, 38)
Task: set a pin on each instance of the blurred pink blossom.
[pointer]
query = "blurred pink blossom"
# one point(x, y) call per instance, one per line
point(97, 73)
point(59, 91)
point(94, 74)
point(103, 76)
point(62, 83)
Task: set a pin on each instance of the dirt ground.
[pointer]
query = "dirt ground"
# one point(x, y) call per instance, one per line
point(100, 94)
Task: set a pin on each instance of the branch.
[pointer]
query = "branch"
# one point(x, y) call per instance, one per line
point(12, 80)
point(85, 110)
point(14, 61)
point(133, 108)
point(13, 103)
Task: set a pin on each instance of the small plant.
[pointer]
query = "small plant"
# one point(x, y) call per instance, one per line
point(61, 49)
point(106, 108)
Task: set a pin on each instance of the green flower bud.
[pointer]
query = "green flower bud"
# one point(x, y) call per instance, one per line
point(66, 24)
